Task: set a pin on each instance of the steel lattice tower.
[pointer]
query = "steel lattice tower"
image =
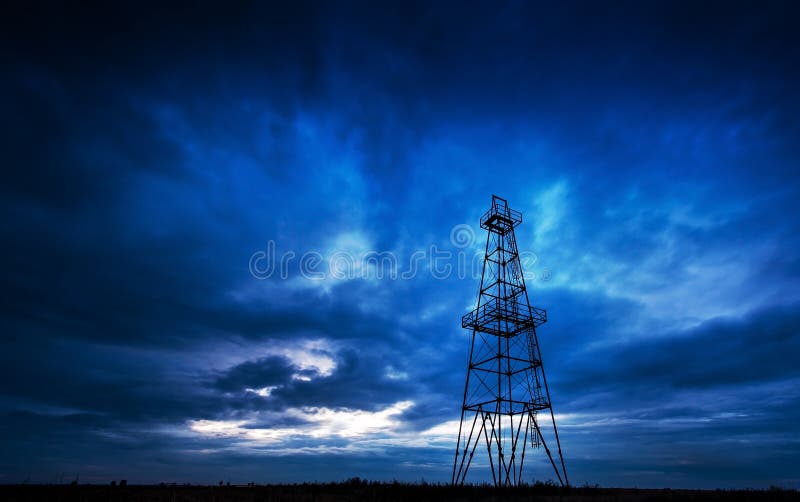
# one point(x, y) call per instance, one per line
point(505, 393)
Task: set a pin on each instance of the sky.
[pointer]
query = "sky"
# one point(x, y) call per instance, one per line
point(190, 192)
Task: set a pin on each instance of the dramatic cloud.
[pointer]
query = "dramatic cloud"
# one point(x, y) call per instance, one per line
point(153, 156)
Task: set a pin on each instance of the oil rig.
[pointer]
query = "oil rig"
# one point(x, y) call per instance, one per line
point(507, 409)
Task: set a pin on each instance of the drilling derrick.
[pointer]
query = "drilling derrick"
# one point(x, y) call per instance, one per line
point(507, 410)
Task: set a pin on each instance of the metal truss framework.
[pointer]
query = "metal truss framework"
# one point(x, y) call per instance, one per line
point(505, 393)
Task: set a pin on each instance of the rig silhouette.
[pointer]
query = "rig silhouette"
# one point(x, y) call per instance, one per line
point(505, 392)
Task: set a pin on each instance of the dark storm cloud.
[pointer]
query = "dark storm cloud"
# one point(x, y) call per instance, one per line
point(119, 385)
point(757, 348)
point(265, 372)
point(148, 152)
point(358, 381)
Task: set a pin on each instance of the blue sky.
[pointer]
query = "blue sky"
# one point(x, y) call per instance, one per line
point(149, 154)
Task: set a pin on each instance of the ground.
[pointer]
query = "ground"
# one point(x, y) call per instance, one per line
point(356, 490)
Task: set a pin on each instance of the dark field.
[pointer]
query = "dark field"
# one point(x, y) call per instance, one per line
point(361, 490)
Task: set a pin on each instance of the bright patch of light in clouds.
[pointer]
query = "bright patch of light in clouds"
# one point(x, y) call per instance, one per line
point(550, 209)
point(263, 392)
point(310, 355)
point(317, 423)
point(361, 430)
